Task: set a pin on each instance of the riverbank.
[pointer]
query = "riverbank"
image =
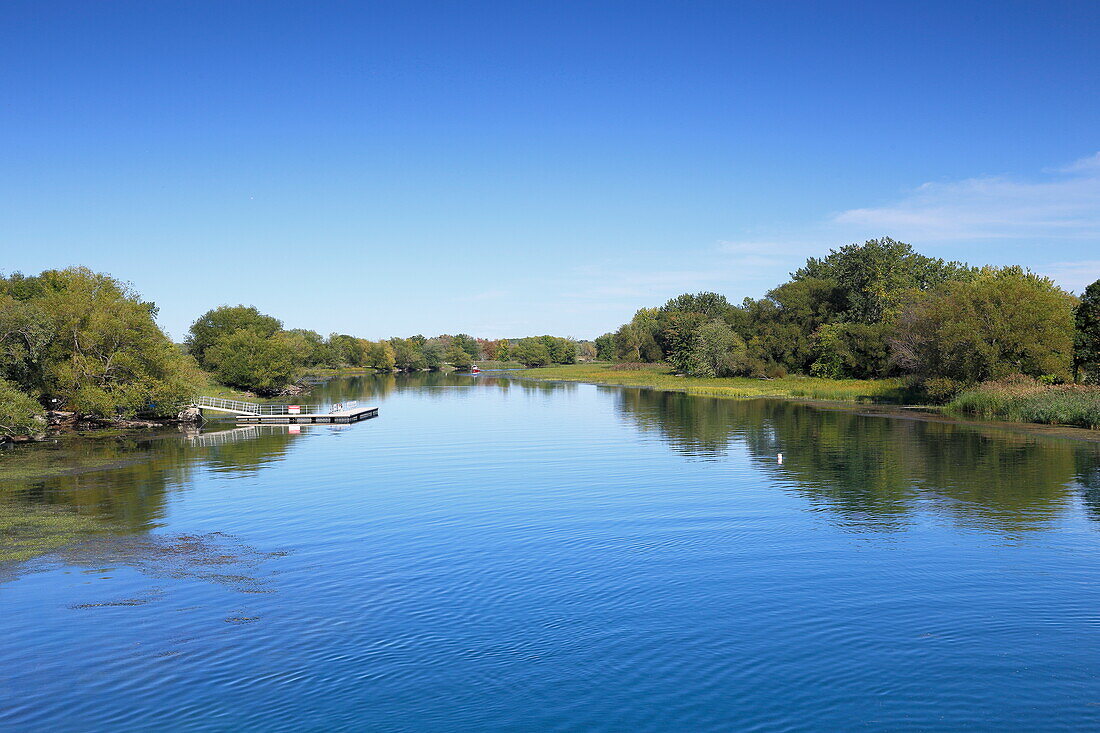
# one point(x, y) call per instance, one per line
point(660, 376)
point(1022, 401)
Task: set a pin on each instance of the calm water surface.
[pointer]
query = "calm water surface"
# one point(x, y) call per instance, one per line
point(504, 555)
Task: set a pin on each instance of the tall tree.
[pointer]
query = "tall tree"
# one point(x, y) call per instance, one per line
point(1086, 322)
point(224, 320)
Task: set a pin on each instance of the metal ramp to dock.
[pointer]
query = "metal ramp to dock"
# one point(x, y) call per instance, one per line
point(251, 413)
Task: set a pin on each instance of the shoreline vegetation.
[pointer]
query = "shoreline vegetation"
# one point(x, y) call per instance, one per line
point(872, 322)
point(1019, 401)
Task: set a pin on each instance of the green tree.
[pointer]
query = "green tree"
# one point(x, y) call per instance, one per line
point(408, 354)
point(1086, 322)
point(676, 323)
point(380, 355)
point(224, 320)
point(87, 341)
point(467, 343)
point(780, 328)
point(434, 355)
point(247, 360)
point(873, 276)
point(309, 346)
point(561, 350)
point(459, 358)
point(709, 305)
point(1005, 321)
point(531, 352)
point(852, 351)
point(717, 351)
point(605, 347)
point(345, 350)
point(627, 341)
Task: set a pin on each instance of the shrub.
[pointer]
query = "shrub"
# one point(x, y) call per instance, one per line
point(20, 415)
point(775, 371)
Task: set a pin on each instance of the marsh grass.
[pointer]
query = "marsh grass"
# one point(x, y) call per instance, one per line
point(1030, 401)
point(659, 376)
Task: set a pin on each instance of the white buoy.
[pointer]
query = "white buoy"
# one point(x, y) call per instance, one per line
point(779, 459)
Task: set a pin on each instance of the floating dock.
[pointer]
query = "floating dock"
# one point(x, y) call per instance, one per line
point(254, 413)
point(354, 414)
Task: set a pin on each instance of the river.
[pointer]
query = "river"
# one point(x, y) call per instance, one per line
point(505, 555)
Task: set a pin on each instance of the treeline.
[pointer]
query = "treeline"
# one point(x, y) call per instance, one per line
point(85, 342)
point(875, 310)
point(247, 349)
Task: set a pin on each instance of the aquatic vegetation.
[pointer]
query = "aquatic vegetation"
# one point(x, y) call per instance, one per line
point(1024, 400)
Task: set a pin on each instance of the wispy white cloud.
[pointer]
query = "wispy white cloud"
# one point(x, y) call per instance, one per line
point(1084, 165)
point(1065, 205)
point(1073, 275)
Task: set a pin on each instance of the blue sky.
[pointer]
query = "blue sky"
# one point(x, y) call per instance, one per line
point(513, 168)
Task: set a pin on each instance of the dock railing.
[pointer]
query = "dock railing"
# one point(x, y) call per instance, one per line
point(255, 408)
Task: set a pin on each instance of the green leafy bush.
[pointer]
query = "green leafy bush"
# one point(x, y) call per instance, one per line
point(20, 415)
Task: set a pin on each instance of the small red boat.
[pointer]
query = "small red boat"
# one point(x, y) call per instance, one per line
point(475, 370)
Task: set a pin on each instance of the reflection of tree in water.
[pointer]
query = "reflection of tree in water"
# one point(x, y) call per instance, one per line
point(876, 470)
point(1087, 475)
point(695, 426)
point(56, 494)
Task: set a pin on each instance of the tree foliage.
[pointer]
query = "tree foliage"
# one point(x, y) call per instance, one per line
point(248, 360)
point(531, 352)
point(717, 351)
point(1086, 321)
point(1005, 321)
point(468, 344)
point(871, 277)
point(876, 309)
point(19, 413)
point(89, 342)
point(459, 358)
point(605, 347)
point(223, 321)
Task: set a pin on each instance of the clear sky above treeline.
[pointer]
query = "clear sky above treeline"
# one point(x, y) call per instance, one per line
point(515, 168)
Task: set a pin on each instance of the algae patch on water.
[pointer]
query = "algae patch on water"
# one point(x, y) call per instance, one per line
point(28, 530)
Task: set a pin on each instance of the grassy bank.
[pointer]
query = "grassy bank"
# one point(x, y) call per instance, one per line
point(657, 376)
point(1027, 401)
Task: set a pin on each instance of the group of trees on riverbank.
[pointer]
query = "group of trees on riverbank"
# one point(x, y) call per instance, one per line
point(878, 309)
point(83, 341)
point(249, 350)
point(418, 353)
